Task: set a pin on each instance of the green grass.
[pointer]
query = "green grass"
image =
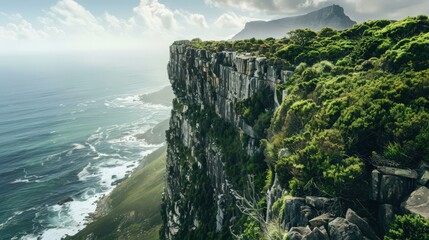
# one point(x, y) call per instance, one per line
point(135, 205)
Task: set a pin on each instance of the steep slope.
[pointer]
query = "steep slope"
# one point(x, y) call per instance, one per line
point(302, 136)
point(332, 16)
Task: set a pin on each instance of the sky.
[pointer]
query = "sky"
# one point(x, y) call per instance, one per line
point(54, 25)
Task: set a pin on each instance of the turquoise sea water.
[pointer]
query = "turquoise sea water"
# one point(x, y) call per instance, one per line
point(67, 127)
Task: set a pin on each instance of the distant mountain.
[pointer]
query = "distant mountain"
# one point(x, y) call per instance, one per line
point(332, 16)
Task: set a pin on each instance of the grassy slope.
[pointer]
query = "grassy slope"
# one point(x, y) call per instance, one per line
point(135, 205)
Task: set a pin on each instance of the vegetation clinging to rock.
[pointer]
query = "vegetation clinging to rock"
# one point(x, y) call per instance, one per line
point(356, 95)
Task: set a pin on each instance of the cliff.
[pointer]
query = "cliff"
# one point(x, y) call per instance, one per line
point(332, 16)
point(336, 149)
point(210, 145)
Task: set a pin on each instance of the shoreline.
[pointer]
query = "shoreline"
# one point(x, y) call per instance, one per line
point(136, 198)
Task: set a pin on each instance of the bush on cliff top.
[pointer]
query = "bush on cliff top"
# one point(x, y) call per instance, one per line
point(408, 227)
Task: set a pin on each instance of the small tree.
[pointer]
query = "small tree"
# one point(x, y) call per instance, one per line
point(302, 37)
point(408, 227)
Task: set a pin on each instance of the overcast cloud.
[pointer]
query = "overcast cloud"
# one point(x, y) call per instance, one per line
point(152, 23)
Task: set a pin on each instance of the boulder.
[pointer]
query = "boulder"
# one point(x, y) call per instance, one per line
point(341, 229)
point(321, 220)
point(418, 202)
point(424, 179)
point(364, 227)
point(394, 189)
point(317, 234)
point(297, 213)
point(320, 203)
point(385, 215)
point(406, 173)
point(65, 200)
point(297, 233)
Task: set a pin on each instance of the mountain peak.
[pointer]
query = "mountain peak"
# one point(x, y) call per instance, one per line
point(334, 9)
point(332, 16)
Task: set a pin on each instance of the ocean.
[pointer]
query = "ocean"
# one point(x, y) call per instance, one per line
point(68, 123)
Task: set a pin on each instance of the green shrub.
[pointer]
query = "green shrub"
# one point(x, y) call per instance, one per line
point(408, 227)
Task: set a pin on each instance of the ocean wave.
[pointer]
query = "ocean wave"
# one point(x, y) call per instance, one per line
point(78, 146)
point(94, 151)
point(10, 219)
point(87, 172)
point(134, 101)
point(67, 219)
point(28, 178)
point(20, 180)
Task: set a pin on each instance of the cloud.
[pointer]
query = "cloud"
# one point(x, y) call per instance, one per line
point(117, 25)
point(231, 20)
point(198, 20)
point(359, 9)
point(69, 25)
point(156, 16)
point(20, 29)
point(74, 16)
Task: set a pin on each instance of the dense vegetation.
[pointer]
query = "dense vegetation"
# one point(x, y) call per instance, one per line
point(358, 98)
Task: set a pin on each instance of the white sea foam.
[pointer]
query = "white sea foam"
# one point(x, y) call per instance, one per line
point(28, 179)
point(15, 214)
point(78, 146)
point(21, 180)
point(134, 102)
point(68, 219)
point(87, 172)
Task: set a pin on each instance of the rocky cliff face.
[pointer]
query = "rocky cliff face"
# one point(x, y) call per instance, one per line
point(209, 143)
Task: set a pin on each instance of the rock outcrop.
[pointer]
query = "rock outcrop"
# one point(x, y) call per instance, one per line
point(418, 202)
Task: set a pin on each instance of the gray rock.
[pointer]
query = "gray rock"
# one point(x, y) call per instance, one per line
point(296, 213)
point(418, 202)
point(341, 229)
point(321, 220)
point(317, 234)
point(394, 189)
point(65, 200)
point(424, 179)
point(273, 194)
point(375, 185)
point(297, 233)
point(364, 227)
point(407, 173)
point(424, 165)
point(320, 203)
point(385, 215)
